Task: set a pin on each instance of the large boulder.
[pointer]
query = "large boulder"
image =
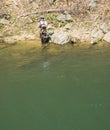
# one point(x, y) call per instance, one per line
point(107, 37)
point(74, 35)
point(60, 37)
point(96, 36)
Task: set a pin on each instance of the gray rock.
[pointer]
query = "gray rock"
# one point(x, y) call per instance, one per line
point(85, 37)
point(64, 17)
point(75, 35)
point(50, 32)
point(74, 40)
point(69, 17)
point(107, 37)
point(4, 21)
point(104, 27)
point(94, 41)
point(99, 34)
point(68, 26)
point(61, 17)
point(92, 4)
point(96, 37)
point(60, 38)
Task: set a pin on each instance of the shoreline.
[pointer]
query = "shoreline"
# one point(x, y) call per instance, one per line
point(37, 44)
point(84, 23)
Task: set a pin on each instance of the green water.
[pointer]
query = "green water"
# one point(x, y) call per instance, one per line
point(67, 88)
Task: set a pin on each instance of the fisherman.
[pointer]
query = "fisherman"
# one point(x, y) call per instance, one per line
point(43, 30)
point(43, 23)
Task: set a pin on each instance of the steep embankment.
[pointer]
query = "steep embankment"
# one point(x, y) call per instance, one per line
point(75, 21)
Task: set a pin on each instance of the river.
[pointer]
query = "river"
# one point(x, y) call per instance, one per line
point(54, 88)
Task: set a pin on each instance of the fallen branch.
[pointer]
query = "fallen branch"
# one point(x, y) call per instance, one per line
point(46, 11)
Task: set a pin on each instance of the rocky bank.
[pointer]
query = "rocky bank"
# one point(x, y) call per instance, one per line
point(72, 22)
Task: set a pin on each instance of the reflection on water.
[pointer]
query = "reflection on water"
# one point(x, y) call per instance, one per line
point(56, 88)
point(46, 65)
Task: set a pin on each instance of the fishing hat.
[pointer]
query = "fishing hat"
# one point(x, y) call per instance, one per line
point(42, 17)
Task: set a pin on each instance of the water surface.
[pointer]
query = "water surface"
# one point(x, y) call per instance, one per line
point(55, 88)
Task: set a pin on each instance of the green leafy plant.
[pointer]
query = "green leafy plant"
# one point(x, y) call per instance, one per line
point(1, 25)
point(51, 17)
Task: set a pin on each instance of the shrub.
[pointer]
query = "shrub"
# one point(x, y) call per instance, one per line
point(1, 25)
